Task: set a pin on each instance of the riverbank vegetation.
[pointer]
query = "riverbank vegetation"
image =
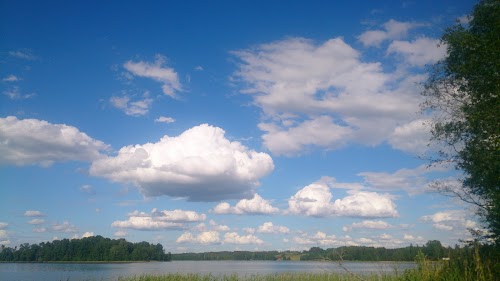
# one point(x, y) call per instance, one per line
point(432, 250)
point(95, 249)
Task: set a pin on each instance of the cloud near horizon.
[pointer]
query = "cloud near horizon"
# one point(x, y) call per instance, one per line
point(316, 200)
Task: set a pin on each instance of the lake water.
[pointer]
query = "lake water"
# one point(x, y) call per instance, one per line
point(72, 271)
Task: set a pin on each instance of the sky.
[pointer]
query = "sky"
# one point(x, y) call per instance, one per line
point(223, 125)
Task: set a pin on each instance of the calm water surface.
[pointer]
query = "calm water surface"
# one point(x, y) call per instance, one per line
point(72, 272)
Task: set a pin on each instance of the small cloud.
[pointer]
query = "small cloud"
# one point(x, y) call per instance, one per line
point(255, 206)
point(268, 227)
point(199, 68)
point(15, 94)
point(11, 78)
point(234, 238)
point(163, 119)
point(132, 107)
point(36, 221)
point(39, 229)
point(64, 227)
point(25, 54)
point(88, 189)
point(120, 233)
point(33, 213)
point(87, 234)
point(156, 71)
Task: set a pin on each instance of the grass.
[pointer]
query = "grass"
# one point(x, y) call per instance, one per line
point(269, 277)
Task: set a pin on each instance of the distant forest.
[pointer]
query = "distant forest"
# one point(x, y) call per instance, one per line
point(433, 250)
point(95, 248)
point(98, 248)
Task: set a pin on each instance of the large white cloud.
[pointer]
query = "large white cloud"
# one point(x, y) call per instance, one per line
point(158, 72)
point(33, 141)
point(316, 200)
point(255, 206)
point(156, 220)
point(324, 95)
point(200, 165)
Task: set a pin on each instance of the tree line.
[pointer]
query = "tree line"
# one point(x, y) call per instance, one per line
point(95, 248)
point(433, 250)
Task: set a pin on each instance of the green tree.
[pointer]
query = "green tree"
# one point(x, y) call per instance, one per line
point(463, 93)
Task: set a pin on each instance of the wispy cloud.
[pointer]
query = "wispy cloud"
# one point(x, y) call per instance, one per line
point(132, 107)
point(11, 78)
point(164, 119)
point(158, 72)
point(25, 54)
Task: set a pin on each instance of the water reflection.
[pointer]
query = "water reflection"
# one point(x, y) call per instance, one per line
point(71, 271)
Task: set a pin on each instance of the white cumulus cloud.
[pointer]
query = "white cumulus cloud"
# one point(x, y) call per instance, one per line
point(33, 141)
point(155, 220)
point(204, 238)
point(449, 220)
point(316, 200)
point(199, 165)
point(312, 97)
point(255, 206)
point(235, 238)
point(269, 227)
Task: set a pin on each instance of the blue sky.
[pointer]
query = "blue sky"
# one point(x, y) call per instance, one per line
point(223, 125)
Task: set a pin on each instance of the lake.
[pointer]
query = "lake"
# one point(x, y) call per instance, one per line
point(73, 271)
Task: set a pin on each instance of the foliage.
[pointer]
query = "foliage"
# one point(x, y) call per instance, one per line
point(95, 248)
point(463, 94)
point(433, 250)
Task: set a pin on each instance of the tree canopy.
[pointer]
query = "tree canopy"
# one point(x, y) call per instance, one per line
point(95, 248)
point(462, 93)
